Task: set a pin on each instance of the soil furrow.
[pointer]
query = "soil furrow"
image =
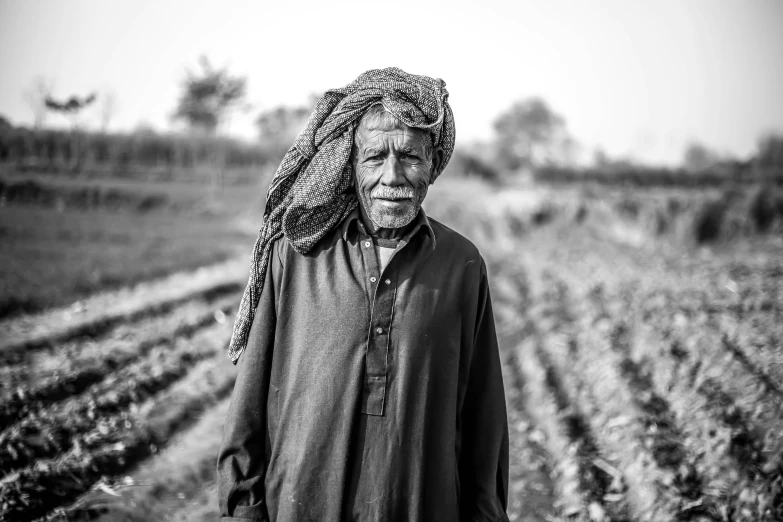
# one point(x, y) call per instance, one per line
point(531, 491)
point(569, 470)
point(665, 438)
point(690, 419)
point(73, 380)
point(772, 387)
point(168, 482)
point(603, 485)
point(746, 444)
point(62, 426)
point(36, 490)
point(14, 350)
point(620, 421)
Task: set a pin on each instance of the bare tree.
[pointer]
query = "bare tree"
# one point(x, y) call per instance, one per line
point(35, 97)
point(208, 97)
point(71, 108)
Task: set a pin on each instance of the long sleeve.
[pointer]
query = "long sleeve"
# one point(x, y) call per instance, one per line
point(242, 459)
point(483, 466)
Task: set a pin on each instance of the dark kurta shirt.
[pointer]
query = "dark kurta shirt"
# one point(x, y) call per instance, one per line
point(368, 395)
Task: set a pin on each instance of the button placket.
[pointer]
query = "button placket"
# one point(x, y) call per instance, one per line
point(381, 299)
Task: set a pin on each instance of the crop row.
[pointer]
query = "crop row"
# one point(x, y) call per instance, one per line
point(23, 336)
point(58, 428)
point(659, 475)
point(532, 488)
point(588, 486)
point(79, 365)
point(668, 357)
point(114, 443)
point(727, 412)
point(635, 425)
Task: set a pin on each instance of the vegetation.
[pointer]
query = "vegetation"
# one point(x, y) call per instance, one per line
point(146, 155)
point(639, 323)
point(64, 241)
point(640, 176)
point(642, 382)
point(208, 97)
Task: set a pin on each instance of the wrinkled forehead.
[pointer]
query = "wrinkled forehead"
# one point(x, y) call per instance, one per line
point(378, 124)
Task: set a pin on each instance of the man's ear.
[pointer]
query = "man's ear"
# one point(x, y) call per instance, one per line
point(437, 161)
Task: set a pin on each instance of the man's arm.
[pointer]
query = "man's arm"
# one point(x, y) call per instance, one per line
point(483, 465)
point(241, 462)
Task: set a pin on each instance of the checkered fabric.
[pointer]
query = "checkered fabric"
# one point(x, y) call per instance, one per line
point(311, 191)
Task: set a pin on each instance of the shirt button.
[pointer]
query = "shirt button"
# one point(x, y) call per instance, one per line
point(379, 330)
point(367, 244)
point(388, 281)
point(373, 279)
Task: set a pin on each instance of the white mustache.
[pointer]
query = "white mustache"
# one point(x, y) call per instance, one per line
point(393, 193)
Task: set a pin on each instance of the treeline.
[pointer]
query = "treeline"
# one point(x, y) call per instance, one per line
point(58, 150)
point(640, 176)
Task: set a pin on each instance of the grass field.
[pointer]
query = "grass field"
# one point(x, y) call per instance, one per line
point(642, 371)
point(64, 239)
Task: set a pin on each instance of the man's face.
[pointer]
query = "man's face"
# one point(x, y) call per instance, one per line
point(392, 173)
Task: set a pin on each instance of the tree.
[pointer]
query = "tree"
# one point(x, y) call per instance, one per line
point(35, 97)
point(698, 158)
point(71, 108)
point(529, 133)
point(770, 151)
point(208, 97)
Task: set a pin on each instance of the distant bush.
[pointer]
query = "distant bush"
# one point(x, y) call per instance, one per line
point(763, 208)
point(708, 221)
point(628, 206)
point(658, 177)
point(734, 212)
point(81, 197)
point(467, 165)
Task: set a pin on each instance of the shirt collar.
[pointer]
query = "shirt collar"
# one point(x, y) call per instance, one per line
point(353, 223)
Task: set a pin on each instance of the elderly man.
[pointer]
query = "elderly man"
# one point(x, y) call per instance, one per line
point(370, 385)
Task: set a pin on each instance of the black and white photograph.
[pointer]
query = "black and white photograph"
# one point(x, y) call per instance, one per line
point(402, 261)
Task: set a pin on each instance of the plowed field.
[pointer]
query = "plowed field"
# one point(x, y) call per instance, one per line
point(643, 383)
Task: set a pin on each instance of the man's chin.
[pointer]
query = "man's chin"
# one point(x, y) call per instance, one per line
point(392, 219)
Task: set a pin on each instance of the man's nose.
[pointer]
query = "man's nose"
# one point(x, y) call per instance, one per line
point(393, 173)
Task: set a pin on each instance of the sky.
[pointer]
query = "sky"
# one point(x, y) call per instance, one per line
point(639, 79)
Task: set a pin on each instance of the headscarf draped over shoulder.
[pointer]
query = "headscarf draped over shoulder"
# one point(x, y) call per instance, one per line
point(311, 191)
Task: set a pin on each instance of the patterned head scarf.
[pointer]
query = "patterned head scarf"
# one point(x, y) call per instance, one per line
point(311, 191)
